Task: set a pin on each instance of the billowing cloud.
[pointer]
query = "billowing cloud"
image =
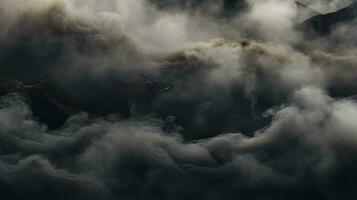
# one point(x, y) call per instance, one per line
point(175, 100)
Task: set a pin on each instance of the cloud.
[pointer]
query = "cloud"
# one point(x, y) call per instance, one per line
point(134, 159)
point(174, 100)
point(277, 23)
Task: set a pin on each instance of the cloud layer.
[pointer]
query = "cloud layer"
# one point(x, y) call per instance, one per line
point(175, 100)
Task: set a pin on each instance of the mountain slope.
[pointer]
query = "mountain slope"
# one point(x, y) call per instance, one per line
point(322, 25)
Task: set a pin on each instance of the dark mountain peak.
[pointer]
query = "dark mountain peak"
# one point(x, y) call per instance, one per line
point(304, 11)
point(323, 24)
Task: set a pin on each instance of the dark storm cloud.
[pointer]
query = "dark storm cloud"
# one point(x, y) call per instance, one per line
point(174, 100)
point(303, 149)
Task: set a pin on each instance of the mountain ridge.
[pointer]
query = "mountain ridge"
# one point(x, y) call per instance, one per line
point(323, 24)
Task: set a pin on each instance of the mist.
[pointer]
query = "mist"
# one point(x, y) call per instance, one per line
point(168, 99)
